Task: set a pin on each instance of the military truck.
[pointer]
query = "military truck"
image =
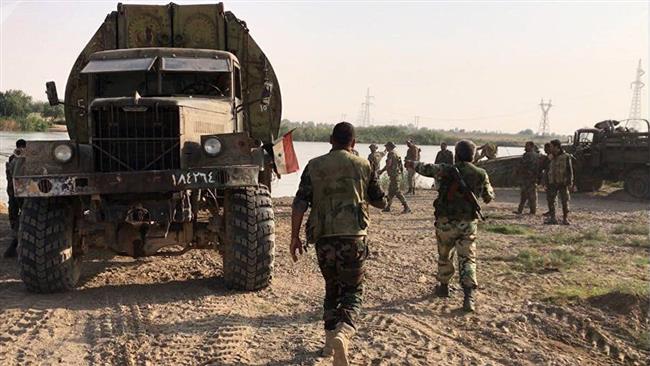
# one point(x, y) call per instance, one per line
point(172, 112)
point(613, 151)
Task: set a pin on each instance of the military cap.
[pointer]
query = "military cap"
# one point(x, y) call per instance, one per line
point(390, 145)
point(373, 146)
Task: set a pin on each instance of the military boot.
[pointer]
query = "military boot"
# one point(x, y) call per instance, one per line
point(565, 220)
point(341, 343)
point(468, 301)
point(551, 220)
point(442, 290)
point(328, 351)
point(406, 210)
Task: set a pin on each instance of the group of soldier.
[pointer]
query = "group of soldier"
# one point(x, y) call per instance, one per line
point(339, 186)
point(553, 170)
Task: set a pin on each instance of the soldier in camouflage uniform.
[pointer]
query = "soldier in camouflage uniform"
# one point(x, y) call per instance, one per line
point(488, 150)
point(560, 181)
point(413, 153)
point(456, 219)
point(544, 163)
point(14, 202)
point(528, 172)
point(338, 187)
point(375, 158)
point(395, 169)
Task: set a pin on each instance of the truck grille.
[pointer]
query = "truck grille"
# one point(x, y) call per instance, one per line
point(134, 139)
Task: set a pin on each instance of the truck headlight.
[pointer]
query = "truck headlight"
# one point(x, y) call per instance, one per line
point(63, 153)
point(212, 146)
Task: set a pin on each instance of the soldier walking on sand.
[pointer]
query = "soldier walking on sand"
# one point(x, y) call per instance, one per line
point(395, 169)
point(560, 181)
point(528, 174)
point(413, 154)
point(456, 217)
point(375, 158)
point(338, 187)
point(14, 203)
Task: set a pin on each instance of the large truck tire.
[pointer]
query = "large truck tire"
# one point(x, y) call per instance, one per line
point(45, 246)
point(637, 183)
point(249, 248)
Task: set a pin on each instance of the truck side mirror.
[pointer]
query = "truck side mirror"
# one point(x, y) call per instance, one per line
point(265, 100)
point(52, 95)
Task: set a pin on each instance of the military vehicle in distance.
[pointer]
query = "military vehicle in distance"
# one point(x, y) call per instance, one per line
point(611, 151)
point(172, 112)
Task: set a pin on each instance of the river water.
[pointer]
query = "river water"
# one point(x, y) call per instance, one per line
point(285, 186)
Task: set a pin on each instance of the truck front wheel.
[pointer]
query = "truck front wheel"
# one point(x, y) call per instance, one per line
point(249, 246)
point(46, 257)
point(637, 183)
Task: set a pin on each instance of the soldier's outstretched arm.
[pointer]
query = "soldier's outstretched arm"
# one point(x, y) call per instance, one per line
point(427, 170)
point(488, 192)
point(301, 203)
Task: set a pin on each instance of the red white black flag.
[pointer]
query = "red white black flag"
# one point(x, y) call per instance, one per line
point(284, 155)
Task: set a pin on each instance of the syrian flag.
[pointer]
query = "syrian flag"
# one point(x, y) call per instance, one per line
point(284, 155)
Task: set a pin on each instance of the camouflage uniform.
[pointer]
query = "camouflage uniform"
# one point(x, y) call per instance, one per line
point(413, 154)
point(456, 220)
point(395, 169)
point(444, 157)
point(339, 186)
point(528, 172)
point(375, 159)
point(488, 150)
point(560, 180)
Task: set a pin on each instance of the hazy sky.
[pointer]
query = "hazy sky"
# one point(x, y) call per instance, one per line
point(473, 65)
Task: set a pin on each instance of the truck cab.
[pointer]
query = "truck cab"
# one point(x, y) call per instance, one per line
point(167, 146)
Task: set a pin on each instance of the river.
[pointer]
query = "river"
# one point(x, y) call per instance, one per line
point(285, 186)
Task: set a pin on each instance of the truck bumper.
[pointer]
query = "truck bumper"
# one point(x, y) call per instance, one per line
point(80, 184)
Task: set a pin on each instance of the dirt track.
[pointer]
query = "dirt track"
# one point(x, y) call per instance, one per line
point(176, 311)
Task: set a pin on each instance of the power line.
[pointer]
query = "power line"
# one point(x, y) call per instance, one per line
point(364, 120)
point(636, 85)
point(544, 123)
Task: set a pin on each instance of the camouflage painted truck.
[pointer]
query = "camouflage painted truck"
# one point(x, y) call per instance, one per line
point(611, 151)
point(171, 112)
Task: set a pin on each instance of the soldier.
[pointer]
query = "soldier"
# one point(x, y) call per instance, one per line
point(413, 154)
point(528, 172)
point(338, 186)
point(444, 156)
point(560, 180)
point(457, 218)
point(488, 150)
point(14, 203)
point(395, 169)
point(375, 158)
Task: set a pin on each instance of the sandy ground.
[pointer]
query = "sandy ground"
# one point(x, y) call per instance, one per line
point(176, 311)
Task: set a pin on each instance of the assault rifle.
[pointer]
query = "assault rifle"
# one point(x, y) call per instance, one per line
point(468, 194)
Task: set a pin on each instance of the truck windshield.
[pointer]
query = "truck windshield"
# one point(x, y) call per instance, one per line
point(172, 81)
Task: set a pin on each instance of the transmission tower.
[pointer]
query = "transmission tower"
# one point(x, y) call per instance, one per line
point(416, 121)
point(365, 109)
point(543, 123)
point(635, 108)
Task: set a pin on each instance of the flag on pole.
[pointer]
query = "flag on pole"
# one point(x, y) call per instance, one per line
point(284, 155)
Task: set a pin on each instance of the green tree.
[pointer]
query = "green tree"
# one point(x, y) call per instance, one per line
point(15, 103)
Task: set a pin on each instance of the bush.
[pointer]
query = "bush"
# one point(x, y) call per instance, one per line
point(632, 229)
point(33, 123)
point(506, 229)
point(531, 260)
